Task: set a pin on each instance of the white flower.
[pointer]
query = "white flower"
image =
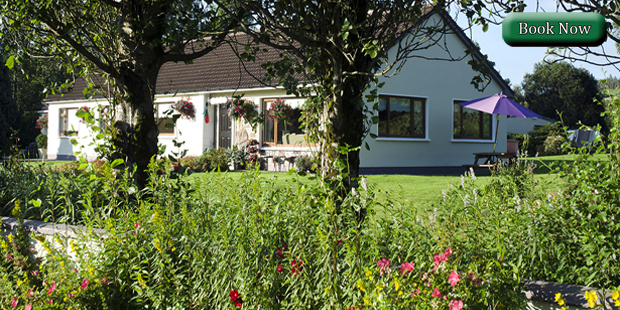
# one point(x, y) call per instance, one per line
point(364, 184)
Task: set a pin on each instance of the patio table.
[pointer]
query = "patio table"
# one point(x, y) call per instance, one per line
point(491, 159)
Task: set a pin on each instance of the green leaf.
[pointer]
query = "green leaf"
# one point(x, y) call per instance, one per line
point(74, 142)
point(36, 203)
point(10, 62)
point(117, 162)
point(367, 146)
point(83, 166)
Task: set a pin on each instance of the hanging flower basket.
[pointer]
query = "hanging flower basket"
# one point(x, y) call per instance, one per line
point(42, 122)
point(279, 111)
point(185, 108)
point(242, 108)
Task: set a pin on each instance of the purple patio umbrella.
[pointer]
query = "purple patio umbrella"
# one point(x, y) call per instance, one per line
point(499, 104)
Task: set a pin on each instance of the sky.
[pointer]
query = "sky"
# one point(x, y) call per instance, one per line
point(514, 62)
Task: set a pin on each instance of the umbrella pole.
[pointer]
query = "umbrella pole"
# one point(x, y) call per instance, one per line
point(496, 132)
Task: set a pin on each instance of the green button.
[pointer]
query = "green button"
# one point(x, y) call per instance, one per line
point(554, 29)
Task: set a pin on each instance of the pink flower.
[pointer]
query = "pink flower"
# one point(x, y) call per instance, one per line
point(595, 192)
point(280, 268)
point(383, 262)
point(448, 252)
point(437, 260)
point(75, 270)
point(9, 257)
point(28, 307)
point(84, 284)
point(34, 273)
point(417, 292)
point(456, 305)
point(50, 301)
point(104, 281)
point(51, 289)
point(29, 294)
point(14, 303)
point(71, 295)
point(280, 253)
point(454, 278)
point(404, 267)
point(436, 293)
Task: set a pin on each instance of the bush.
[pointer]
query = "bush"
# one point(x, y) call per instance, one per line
point(42, 141)
point(304, 163)
point(539, 135)
point(553, 145)
point(242, 242)
point(238, 156)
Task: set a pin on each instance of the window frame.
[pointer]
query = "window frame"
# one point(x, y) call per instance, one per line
point(264, 106)
point(158, 119)
point(481, 114)
point(412, 100)
point(64, 127)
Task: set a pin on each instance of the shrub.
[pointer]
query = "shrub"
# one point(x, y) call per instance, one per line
point(42, 141)
point(540, 134)
point(553, 145)
point(251, 243)
point(304, 163)
point(238, 156)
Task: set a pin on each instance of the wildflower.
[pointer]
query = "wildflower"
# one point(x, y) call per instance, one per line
point(591, 298)
point(14, 302)
point(364, 184)
point(404, 267)
point(28, 307)
point(615, 295)
point(280, 253)
point(279, 268)
point(9, 258)
point(436, 293)
point(396, 284)
point(559, 300)
point(29, 294)
point(84, 284)
point(104, 281)
point(456, 305)
point(353, 191)
point(454, 278)
point(416, 292)
point(443, 194)
point(472, 173)
point(295, 267)
point(71, 295)
point(462, 181)
point(234, 297)
point(52, 288)
point(50, 301)
point(379, 287)
point(360, 285)
point(384, 264)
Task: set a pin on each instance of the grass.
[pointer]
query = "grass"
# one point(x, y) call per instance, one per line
point(423, 192)
point(547, 163)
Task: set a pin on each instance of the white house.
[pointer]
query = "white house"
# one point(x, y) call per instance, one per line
point(437, 132)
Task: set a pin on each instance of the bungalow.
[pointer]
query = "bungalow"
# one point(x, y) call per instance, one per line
point(420, 121)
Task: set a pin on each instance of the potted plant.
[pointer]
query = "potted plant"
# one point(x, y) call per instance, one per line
point(42, 145)
point(42, 122)
point(279, 110)
point(242, 108)
point(185, 108)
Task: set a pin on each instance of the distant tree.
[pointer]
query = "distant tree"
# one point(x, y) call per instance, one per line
point(9, 116)
point(612, 82)
point(560, 87)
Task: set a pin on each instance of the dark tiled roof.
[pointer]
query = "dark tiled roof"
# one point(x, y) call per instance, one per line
point(219, 69)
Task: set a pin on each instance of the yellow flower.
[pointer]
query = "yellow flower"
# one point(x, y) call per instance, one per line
point(19, 282)
point(360, 285)
point(563, 308)
point(400, 293)
point(591, 298)
point(617, 303)
point(379, 287)
point(615, 295)
point(558, 296)
point(396, 284)
point(561, 302)
point(10, 238)
point(369, 275)
point(367, 301)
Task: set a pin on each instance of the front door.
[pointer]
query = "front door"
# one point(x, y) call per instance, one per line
point(225, 127)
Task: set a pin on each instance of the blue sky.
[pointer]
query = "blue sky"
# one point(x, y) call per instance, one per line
point(515, 62)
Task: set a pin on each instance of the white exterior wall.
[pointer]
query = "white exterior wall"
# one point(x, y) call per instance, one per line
point(440, 82)
point(524, 125)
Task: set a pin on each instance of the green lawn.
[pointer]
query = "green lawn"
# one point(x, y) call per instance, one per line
point(546, 163)
point(424, 192)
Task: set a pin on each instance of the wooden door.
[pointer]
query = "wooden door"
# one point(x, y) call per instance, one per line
point(225, 127)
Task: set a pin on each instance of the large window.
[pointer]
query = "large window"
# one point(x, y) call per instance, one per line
point(165, 124)
point(284, 132)
point(471, 124)
point(402, 117)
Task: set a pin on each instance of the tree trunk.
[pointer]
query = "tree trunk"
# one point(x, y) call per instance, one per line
point(135, 126)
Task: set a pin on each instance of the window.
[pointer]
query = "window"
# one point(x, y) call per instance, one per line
point(284, 133)
point(69, 123)
point(402, 117)
point(163, 117)
point(471, 124)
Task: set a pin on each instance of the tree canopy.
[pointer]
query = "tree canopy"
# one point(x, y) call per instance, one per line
point(127, 42)
point(563, 88)
point(9, 117)
point(340, 48)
